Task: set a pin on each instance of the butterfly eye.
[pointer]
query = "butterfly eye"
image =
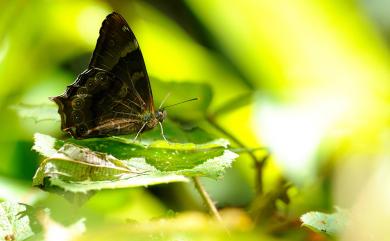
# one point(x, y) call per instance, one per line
point(82, 91)
point(77, 103)
point(77, 116)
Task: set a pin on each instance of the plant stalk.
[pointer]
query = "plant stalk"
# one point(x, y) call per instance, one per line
point(207, 200)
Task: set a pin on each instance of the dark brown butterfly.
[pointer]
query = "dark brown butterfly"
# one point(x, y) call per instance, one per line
point(113, 96)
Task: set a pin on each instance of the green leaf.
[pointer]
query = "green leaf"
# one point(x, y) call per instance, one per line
point(331, 224)
point(174, 132)
point(118, 162)
point(14, 225)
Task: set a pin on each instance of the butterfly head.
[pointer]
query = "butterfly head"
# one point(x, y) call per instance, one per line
point(161, 114)
point(152, 119)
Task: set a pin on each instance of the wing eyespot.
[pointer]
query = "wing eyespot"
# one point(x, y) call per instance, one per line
point(77, 116)
point(77, 103)
point(82, 91)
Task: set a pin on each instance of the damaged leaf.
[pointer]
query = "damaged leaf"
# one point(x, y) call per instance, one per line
point(117, 162)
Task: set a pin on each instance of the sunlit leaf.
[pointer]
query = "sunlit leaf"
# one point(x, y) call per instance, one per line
point(331, 224)
point(14, 225)
point(53, 231)
point(116, 162)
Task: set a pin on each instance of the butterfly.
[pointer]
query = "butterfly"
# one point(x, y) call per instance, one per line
point(113, 95)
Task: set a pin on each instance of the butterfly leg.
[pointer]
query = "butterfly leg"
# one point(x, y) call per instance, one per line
point(140, 130)
point(162, 131)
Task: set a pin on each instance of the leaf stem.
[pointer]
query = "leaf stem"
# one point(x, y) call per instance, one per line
point(207, 200)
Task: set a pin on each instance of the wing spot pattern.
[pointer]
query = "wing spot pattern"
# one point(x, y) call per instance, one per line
point(77, 116)
point(101, 77)
point(135, 43)
point(125, 28)
point(77, 102)
point(137, 75)
point(82, 91)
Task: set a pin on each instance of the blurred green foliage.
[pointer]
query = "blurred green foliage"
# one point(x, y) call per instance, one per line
point(307, 79)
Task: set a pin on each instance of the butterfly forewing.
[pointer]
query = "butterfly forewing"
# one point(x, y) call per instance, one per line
point(114, 42)
point(110, 97)
point(117, 50)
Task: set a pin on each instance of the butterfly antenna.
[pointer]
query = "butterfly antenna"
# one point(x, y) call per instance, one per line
point(180, 103)
point(165, 99)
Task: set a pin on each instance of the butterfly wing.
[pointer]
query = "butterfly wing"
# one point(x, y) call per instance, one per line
point(117, 51)
point(110, 97)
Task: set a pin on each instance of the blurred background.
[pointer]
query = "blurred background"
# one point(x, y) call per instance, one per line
point(310, 80)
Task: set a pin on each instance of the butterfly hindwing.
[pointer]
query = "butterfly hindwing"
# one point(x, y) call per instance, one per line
point(110, 97)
